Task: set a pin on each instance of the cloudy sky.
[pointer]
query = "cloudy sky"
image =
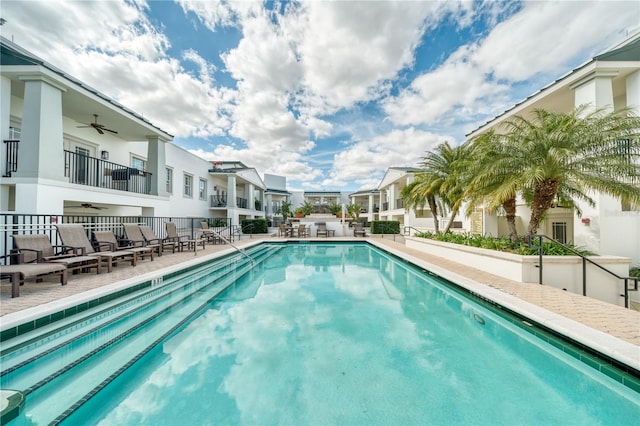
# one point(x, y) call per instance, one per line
point(328, 94)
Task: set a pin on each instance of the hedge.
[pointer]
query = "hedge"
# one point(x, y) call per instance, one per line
point(254, 226)
point(385, 227)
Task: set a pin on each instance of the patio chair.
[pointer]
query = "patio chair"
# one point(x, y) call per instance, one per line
point(211, 236)
point(285, 230)
point(21, 272)
point(303, 231)
point(115, 245)
point(36, 248)
point(153, 239)
point(322, 229)
point(136, 238)
point(358, 229)
point(183, 241)
point(75, 236)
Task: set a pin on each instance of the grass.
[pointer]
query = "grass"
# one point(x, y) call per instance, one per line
point(504, 244)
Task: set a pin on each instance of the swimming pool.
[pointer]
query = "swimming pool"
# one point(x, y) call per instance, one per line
point(315, 333)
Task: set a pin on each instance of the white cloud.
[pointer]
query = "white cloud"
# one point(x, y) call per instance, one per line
point(539, 39)
point(365, 161)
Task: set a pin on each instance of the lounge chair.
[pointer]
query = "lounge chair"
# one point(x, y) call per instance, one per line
point(36, 248)
point(358, 229)
point(210, 234)
point(153, 239)
point(183, 241)
point(108, 237)
point(75, 236)
point(21, 272)
point(136, 238)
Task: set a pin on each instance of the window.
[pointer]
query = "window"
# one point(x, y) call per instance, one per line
point(188, 185)
point(559, 231)
point(137, 163)
point(202, 189)
point(169, 180)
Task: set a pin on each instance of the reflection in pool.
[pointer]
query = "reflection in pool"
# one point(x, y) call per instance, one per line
point(344, 334)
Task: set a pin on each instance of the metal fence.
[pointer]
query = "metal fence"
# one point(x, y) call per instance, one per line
point(18, 224)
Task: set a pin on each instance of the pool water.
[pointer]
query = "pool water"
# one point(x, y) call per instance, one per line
point(323, 334)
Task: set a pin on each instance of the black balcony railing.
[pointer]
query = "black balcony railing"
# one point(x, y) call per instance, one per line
point(218, 201)
point(90, 171)
point(11, 164)
point(399, 203)
point(385, 207)
point(241, 203)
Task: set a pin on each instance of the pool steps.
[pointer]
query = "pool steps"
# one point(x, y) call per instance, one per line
point(90, 348)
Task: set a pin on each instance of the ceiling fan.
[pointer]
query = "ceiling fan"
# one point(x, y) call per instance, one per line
point(99, 127)
point(88, 206)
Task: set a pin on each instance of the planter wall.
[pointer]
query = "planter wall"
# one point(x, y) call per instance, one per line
point(563, 272)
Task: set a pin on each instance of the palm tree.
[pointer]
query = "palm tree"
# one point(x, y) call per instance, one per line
point(441, 178)
point(492, 181)
point(416, 194)
point(561, 157)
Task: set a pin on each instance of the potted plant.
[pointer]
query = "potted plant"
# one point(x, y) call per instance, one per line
point(306, 208)
point(298, 212)
point(335, 209)
point(258, 204)
point(285, 209)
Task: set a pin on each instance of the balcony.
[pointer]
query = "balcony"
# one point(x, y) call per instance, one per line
point(84, 170)
point(218, 201)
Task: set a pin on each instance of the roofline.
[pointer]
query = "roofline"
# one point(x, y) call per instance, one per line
point(550, 86)
point(78, 85)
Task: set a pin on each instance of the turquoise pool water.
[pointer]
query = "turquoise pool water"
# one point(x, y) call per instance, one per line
point(314, 334)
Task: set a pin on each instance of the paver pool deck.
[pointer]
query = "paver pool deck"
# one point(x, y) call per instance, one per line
point(616, 321)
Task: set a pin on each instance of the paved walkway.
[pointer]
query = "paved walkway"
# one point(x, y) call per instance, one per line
point(614, 320)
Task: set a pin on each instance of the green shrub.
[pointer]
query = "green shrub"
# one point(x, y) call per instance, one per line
point(503, 244)
point(254, 226)
point(385, 227)
point(634, 272)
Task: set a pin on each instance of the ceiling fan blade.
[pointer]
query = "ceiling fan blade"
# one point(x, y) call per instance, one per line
point(109, 130)
point(99, 130)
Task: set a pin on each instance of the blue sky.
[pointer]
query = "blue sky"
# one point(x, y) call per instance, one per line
point(328, 94)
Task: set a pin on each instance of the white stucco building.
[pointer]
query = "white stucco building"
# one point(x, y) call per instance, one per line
point(69, 149)
point(610, 81)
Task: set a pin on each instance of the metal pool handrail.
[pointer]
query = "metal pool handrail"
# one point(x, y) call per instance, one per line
point(626, 280)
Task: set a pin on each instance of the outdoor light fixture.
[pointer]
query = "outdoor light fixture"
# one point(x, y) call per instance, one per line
point(104, 155)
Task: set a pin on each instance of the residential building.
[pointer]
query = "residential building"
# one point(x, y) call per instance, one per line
point(370, 201)
point(609, 81)
point(69, 149)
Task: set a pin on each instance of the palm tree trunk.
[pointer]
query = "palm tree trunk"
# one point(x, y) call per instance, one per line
point(454, 212)
point(434, 211)
point(543, 195)
point(509, 207)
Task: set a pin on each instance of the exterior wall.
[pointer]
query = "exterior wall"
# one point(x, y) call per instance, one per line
point(562, 272)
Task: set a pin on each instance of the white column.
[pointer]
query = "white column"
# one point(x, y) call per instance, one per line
point(251, 205)
point(5, 123)
point(633, 91)
point(41, 151)
point(231, 191)
point(595, 90)
point(370, 208)
point(156, 165)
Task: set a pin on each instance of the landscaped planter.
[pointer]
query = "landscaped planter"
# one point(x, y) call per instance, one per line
point(564, 272)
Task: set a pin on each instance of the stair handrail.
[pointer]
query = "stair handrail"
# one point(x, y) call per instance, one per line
point(585, 259)
point(241, 251)
point(409, 228)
